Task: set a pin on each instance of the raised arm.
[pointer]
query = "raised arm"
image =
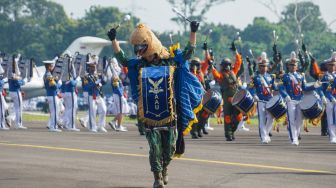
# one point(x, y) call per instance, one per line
point(120, 55)
point(190, 48)
point(238, 63)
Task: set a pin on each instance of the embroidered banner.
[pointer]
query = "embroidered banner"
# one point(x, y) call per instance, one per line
point(156, 95)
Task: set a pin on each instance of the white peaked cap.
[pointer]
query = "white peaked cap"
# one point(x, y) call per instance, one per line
point(51, 61)
point(263, 58)
point(292, 58)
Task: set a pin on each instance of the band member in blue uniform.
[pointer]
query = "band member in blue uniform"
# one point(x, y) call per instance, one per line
point(2, 100)
point(118, 97)
point(96, 98)
point(70, 104)
point(329, 90)
point(262, 88)
point(294, 83)
point(52, 85)
point(15, 83)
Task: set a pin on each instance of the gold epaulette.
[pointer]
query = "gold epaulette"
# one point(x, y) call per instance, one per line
point(51, 81)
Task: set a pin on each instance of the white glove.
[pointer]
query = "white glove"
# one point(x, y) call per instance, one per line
point(212, 83)
point(324, 100)
point(256, 98)
point(98, 81)
point(288, 99)
point(25, 80)
point(244, 86)
point(333, 101)
point(78, 79)
point(59, 82)
point(317, 84)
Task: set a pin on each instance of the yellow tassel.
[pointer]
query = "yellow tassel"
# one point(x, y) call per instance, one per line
point(317, 120)
point(172, 49)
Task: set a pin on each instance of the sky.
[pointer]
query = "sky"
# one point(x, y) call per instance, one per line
point(157, 13)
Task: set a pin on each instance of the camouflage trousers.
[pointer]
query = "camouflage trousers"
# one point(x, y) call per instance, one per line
point(162, 145)
point(232, 117)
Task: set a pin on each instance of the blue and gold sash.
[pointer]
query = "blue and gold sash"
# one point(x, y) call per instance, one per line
point(155, 100)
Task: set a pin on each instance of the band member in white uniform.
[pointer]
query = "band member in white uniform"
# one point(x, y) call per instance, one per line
point(15, 83)
point(329, 90)
point(96, 100)
point(262, 88)
point(70, 104)
point(52, 85)
point(119, 100)
point(291, 90)
point(2, 100)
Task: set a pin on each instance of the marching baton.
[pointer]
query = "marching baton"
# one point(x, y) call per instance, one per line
point(180, 14)
point(126, 18)
point(171, 38)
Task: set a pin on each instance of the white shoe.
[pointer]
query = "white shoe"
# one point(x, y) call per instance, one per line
point(266, 141)
point(21, 127)
point(4, 129)
point(74, 129)
point(209, 128)
point(113, 125)
point(93, 130)
point(82, 122)
point(243, 128)
point(102, 129)
point(55, 130)
point(295, 143)
point(333, 141)
point(122, 128)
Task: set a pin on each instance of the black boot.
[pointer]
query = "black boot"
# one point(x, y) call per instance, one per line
point(204, 131)
point(199, 133)
point(193, 135)
point(158, 181)
point(229, 138)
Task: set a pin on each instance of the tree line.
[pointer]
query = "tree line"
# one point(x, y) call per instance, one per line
point(41, 29)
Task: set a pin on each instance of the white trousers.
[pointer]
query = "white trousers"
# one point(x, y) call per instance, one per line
point(265, 121)
point(70, 104)
point(331, 119)
point(295, 120)
point(17, 101)
point(85, 118)
point(2, 111)
point(97, 106)
point(53, 102)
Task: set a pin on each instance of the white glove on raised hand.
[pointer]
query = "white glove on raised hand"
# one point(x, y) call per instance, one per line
point(256, 98)
point(288, 99)
point(59, 82)
point(333, 101)
point(317, 84)
point(98, 81)
point(324, 100)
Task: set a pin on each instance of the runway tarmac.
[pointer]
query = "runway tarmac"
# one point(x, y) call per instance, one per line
point(36, 158)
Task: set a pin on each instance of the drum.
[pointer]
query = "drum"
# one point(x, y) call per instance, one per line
point(243, 100)
point(211, 101)
point(311, 106)
point(276, 106)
